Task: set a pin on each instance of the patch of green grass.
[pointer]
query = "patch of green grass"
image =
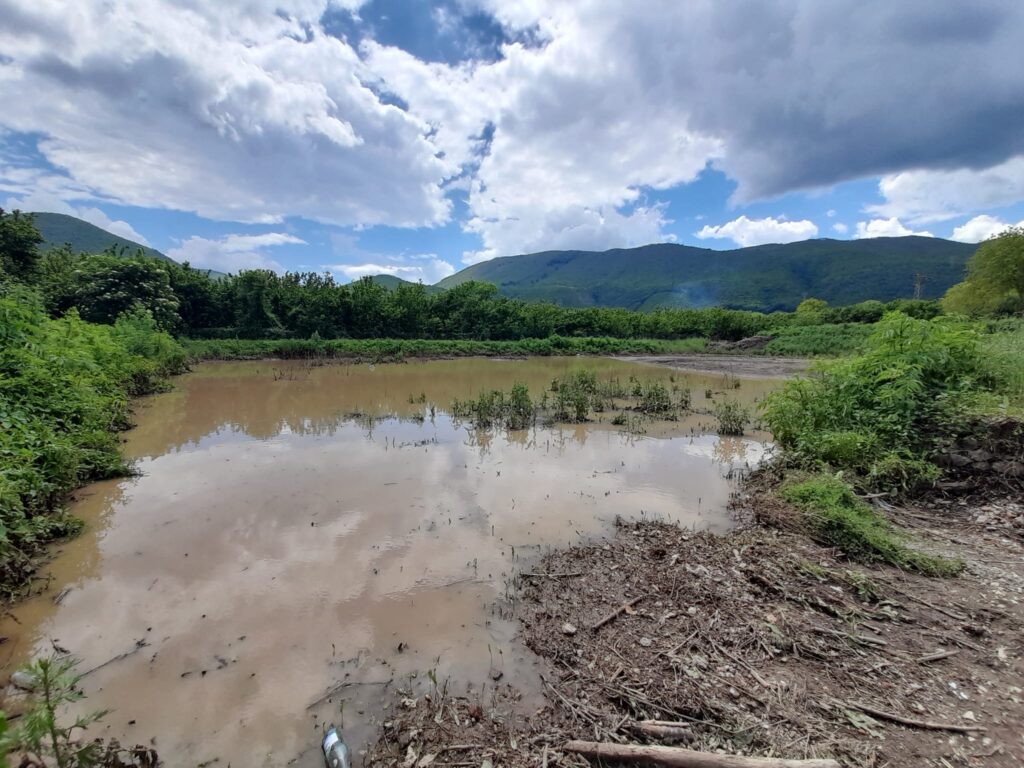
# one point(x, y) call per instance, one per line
point(400, 349)
point(1003, 360)
point(838, 518)
point(818, 340)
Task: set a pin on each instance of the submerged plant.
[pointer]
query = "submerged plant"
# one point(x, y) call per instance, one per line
point(732, 417)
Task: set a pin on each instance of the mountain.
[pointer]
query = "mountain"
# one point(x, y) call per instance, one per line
point(762, 277)
point(83, 237)
point(390, 282)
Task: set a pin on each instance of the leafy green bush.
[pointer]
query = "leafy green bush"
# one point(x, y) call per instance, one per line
point(837, 517)
point(64, 390)
point(818, 340)
point(914, 383)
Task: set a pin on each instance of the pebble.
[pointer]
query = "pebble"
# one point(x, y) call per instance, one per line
point(568, 629)
point(646, 642)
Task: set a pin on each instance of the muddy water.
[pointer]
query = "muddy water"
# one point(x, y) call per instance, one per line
point(298, 530)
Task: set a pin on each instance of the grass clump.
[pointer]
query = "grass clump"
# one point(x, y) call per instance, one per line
point(838, 518)
point(494, 408)
point(732, 417)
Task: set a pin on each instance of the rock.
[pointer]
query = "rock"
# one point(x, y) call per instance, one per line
point(26, 681)
point(969, 444)
point(958, 460)
point(568, 629)
point(1012, 468)
point(981, 466)
point(979, 454)
point(15, 701)
point(646, 642)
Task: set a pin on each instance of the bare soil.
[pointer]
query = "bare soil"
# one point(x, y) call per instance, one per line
point(758, 642)
point(736, 365)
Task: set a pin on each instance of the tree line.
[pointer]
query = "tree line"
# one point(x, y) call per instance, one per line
point(258, 303)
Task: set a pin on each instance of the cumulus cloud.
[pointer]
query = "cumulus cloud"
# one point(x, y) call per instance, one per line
point(885, 228)
point(744, 231)
point(429, 270)
point(981, 228)
point(840, 228)
point(248, 110)
point(923, 196)
point(233, 253)
point(237, 110)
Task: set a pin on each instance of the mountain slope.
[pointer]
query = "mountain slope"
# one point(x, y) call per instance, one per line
point(764, 277)
point(390, 282)
point(83, 237)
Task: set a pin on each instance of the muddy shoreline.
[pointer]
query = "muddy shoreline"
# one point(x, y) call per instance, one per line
point(756, 642)
point(734, 365)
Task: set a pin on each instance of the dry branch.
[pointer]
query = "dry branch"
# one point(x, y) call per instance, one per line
point(678, 757)
point(616, 612)
point(923, 724)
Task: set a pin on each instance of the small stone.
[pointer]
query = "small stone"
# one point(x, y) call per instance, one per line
point(969, 715)
point(646, 642)
point(979, 455)
point(26, 681)
point(692, 610)
point(958, 460)
point(568, 629)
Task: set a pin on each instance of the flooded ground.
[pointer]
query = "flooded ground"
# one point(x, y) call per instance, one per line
point(300, 539)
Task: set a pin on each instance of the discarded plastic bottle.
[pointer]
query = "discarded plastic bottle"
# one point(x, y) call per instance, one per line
point(335, 750)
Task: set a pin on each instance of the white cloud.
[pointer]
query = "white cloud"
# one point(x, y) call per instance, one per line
point(40, 201)
point(233, 253)
point(429, 271)
point(840, 228)
point(831, 213)
point(926, 196)
point(237, 110)
point(981, 228)
point(885, 228)
point(744, 231)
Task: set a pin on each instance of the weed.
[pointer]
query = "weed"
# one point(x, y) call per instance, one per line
point(838, 518)
point(732, 417)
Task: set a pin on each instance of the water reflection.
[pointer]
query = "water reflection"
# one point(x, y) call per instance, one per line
point(292, 528)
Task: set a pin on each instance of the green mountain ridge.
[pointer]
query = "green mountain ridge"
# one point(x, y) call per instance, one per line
point(59, 229)
point(762, 277)
point(390, 282)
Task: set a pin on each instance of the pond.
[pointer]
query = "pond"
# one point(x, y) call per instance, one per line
point(299, 531)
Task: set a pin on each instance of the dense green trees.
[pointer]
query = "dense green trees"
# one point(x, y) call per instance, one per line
point(995, 278)
point(19, 245)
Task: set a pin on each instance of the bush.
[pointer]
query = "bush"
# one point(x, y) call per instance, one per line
point(914, 383)
point(732, 417)
point(838, 518)
point(64, 391)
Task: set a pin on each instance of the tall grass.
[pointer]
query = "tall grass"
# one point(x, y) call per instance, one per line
point(1002, 356)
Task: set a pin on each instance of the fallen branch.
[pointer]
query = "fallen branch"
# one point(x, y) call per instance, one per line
point(937, 656)
point(662, 729)
point(923, 724)
point(566, 575)
point(678, 757)
point(611, 616)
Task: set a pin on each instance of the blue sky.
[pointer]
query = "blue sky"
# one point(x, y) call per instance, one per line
point(414, 137)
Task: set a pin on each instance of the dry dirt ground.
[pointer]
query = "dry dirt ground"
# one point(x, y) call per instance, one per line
point(759, 642)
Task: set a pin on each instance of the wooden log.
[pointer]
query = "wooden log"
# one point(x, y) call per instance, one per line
point(926, 725)
point(661, 729)
point(677, 757)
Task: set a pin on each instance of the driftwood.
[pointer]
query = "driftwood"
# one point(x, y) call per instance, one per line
point(923, 724)
point(616, 612)
point(662, 729)
point(677, 757)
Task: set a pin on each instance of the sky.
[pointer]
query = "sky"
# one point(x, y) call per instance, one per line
point(415, 138)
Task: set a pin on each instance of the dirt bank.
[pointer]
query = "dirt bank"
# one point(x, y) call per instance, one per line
point(736, 365)
point(757, 642)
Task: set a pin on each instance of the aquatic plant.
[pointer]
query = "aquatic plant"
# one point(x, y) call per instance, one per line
point(732, 417)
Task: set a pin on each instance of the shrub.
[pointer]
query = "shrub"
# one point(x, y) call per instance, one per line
point(732, 417)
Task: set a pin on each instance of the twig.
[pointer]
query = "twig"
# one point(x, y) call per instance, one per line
point(611, 616)
point(923, 724)
point(678, 757)
point(551, 575)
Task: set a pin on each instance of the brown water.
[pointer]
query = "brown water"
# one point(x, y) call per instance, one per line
point(275, 545)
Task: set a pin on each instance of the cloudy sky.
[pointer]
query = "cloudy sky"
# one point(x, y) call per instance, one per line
point(414, 137)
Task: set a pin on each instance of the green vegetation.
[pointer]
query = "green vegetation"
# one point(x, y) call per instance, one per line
point(839, 519)
point(880, 414)
point(399, 349)
point(64, 391)
point(827, 340)
point(1002, 359)
point(995, 278)
point(732, 417)
point(39, 737)
point(494, 408)
point(763, 278)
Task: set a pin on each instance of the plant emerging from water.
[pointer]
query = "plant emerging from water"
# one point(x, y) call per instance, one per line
point(732, 417)
point(494, 408)
point(42, 739)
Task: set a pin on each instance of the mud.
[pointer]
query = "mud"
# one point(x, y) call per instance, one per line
point(302, 541)
point(758, 642)
point(733, 365)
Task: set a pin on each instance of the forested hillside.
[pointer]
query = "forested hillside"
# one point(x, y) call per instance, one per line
point(764, 278)
point(59, 229)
